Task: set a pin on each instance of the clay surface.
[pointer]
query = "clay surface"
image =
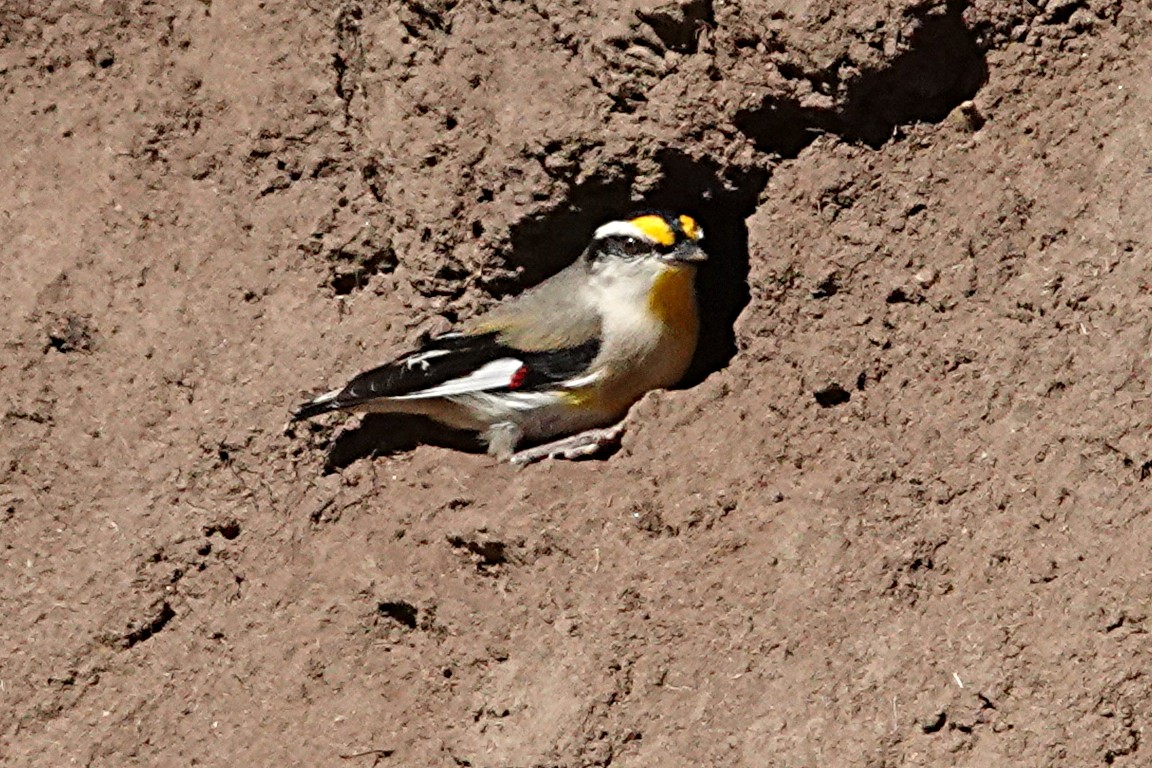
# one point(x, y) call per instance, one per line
point(897, 515)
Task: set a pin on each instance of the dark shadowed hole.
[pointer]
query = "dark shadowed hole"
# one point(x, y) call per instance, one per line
point(229, 529)
point(832, 395)
point(543, 245)
point(399, 611)
point(935, 722)
point(354, 265)
point(678, 25)
point(942, 68)
point(150, 626)
point(782, 127)
point(720, 200)
point(489, 553)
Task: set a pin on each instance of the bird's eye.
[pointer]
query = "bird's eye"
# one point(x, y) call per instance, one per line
point(632, 247)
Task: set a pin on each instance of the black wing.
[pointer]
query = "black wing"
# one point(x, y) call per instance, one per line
point(456, 363)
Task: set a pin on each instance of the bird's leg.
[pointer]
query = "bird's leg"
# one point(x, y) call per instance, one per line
point(574, 447)
point(502, 439)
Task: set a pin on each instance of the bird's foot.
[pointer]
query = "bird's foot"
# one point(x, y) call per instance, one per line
point(574, 447)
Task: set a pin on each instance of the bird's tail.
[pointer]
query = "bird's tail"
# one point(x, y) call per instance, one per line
point(325, 403)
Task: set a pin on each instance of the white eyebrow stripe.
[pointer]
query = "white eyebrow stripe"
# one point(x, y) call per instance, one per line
point(621, 229)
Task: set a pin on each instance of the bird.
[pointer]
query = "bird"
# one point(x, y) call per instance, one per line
point(558, 366)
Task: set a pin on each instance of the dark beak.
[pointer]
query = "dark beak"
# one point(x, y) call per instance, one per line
point(688, 252)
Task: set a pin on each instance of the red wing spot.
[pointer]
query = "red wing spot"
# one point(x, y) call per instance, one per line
point(518, 378)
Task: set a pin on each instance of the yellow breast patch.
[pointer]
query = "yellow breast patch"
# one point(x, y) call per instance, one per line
point(673, 301)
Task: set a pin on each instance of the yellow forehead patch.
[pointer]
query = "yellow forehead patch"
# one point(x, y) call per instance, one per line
point(656, 228)
point(690, 227)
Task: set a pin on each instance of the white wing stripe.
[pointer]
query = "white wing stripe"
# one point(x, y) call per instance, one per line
point(421, 359)
point(327, 397)
point(585, 380)
point(493, 375)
